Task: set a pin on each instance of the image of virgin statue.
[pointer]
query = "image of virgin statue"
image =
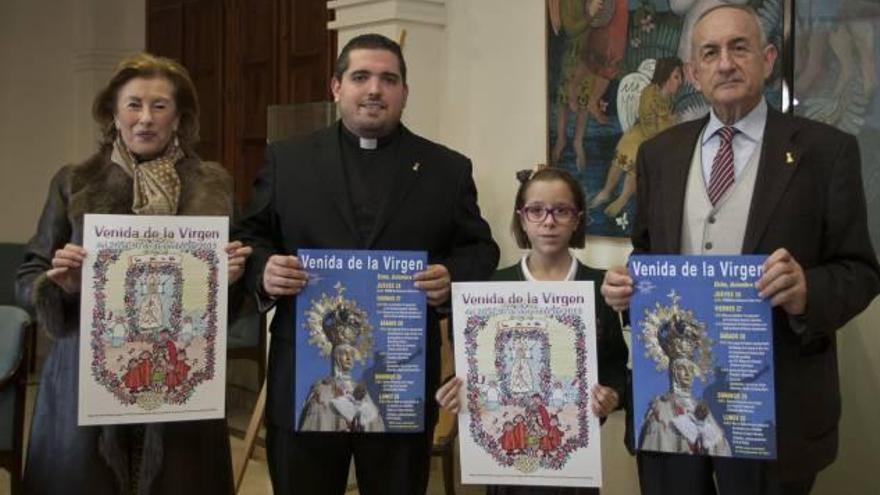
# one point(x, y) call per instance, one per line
point(150, 310)
point(521, 380)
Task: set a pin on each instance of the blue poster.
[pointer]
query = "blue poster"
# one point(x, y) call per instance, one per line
point(702, 357)
point(360, 342)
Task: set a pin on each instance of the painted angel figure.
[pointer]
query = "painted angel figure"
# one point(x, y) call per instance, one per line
point(521, 380)
point(118, 332)
point(654, 85)
point(150, 309)
point(187, 330)
point(493, 395)
point(557, 395)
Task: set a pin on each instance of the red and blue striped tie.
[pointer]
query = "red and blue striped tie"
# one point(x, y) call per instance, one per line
point(722, 166)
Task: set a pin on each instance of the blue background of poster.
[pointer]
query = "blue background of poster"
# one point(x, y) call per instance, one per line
point(360, 286)
point(697, 293)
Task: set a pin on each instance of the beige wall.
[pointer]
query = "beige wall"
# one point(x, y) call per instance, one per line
point(855, 471)
point(54, 55)
point(494, 108)
point(37, 101)
point(493, 103)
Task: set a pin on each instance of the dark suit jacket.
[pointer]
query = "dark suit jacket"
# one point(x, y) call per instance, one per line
point(809, 199)
point(301, 201)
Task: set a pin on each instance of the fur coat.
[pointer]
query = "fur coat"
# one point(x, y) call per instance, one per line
point(182, 457)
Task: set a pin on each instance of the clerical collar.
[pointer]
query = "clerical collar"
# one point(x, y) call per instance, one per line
point(368, 143)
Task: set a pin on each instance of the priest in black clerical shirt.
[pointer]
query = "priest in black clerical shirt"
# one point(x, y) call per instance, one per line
point(368, 164)
point(365, 182)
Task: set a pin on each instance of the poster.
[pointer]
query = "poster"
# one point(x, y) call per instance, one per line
point(360, 342)
point(702, 356)
point(527, 354)
point(153, 319)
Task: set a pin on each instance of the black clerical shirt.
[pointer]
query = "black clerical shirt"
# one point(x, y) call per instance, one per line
point(369, 174)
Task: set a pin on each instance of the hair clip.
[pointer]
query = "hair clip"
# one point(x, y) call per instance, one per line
point(526, 174)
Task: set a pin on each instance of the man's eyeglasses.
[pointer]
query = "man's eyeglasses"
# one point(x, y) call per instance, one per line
point(537, 213)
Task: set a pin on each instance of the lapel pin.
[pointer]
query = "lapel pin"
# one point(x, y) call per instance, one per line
point(789, 157)
point(416, 166)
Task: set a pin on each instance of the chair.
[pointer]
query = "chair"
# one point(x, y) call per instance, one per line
point(447, 424)
point(11, 256)
point(246, 337)
point(15, 327)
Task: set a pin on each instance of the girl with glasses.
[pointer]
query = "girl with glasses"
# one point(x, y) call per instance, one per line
point(548, 220)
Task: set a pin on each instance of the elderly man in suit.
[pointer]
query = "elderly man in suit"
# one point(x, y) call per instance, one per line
point(747, 179)
point(366, 182)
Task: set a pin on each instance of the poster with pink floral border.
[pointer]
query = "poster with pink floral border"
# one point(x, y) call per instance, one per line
point(526, 352)
point(153, 319)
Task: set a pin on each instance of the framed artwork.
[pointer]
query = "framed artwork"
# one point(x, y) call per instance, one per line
point(836, 48)
point(615, 79)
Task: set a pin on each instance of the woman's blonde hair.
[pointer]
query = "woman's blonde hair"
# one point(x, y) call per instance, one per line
point(146, 65)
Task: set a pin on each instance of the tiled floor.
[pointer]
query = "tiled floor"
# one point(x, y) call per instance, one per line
point(618, 471)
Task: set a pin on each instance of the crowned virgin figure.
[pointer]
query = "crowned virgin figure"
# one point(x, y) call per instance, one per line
point(339, 402)
point(675, 421)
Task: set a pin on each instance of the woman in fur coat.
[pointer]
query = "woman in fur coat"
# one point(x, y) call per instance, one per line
point(145, 165)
